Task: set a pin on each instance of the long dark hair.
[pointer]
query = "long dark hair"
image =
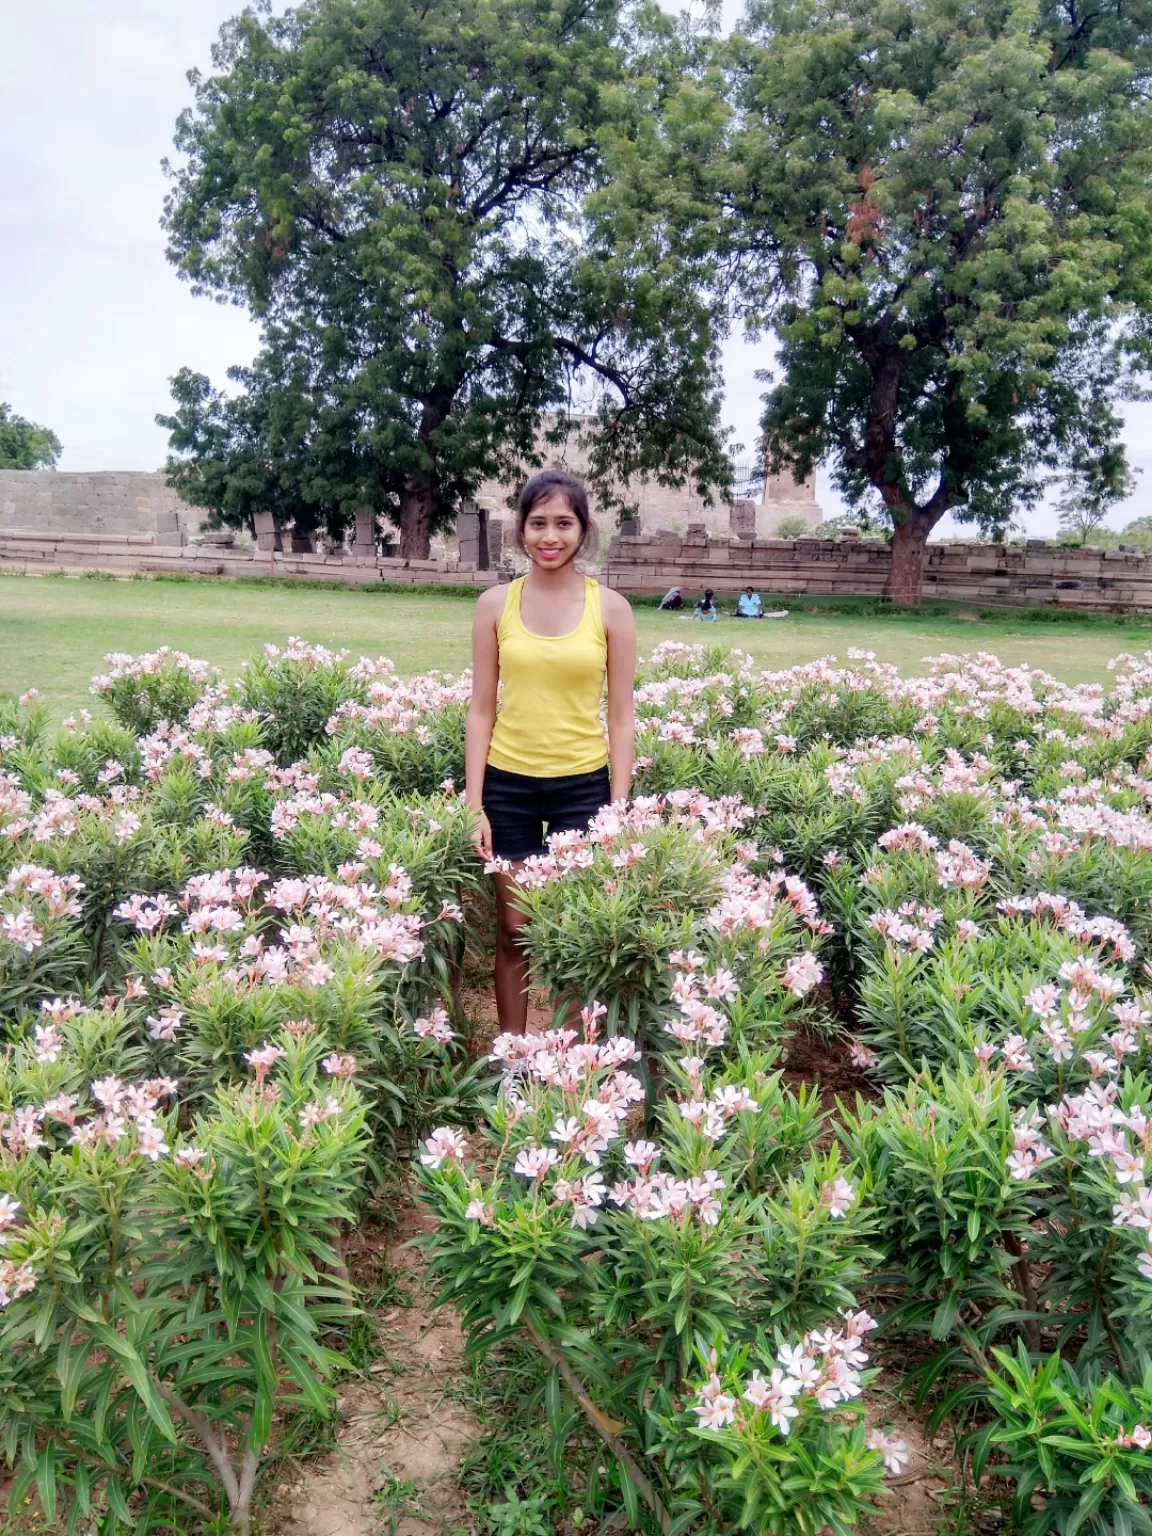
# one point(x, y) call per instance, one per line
point(557, 482)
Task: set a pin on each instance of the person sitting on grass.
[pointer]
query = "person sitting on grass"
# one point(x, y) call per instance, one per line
point(705, 609)
point(749, 605)
point(671, 600)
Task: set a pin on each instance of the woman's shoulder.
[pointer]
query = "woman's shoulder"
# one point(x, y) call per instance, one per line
point(491, 600)
point(613, 604)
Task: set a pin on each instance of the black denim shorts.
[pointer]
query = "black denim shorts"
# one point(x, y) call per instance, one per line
point(522, 809)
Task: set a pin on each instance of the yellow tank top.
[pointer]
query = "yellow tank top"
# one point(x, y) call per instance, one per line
point(551, 686)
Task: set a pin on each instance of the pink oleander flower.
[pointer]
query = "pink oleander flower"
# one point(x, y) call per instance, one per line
point(62, 1008)
point(339, 1066)
point(776, 1397)
point(108, 1091)
point(894, 1453)
point(838, 1195)
point(861, 1056)
point(316, 1113)
point(715, 1412)
point(714, 1407)
point(802, 973)
point(476, 1210)
point(189, 1157)
point(590, 1019)
point(435, 1028)
point(357, 762)
point(15, 1280)
point(1015, 1054)
point(48, 1043)
point(165, 1023)
point(641, 1154)
point(20, 929)
point(734, 1099)
point(263, 1059)
point(1044, 1000)
point(722, 986)
point(445, 1142)
point(150, 1141)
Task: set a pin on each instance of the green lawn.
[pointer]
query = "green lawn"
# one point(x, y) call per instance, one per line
point(54, 633)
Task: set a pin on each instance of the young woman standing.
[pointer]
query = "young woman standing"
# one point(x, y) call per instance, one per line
point(541, 764)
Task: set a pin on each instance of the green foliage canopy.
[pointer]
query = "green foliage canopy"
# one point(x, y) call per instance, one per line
point(942, 210)
point(397, 193)
point(24, 444)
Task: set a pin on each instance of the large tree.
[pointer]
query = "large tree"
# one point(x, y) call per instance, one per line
point(949, 202)
point(941, 209)
point(398, 191)
point(24, 444)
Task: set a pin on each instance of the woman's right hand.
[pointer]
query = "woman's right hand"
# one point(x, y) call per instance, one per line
point(482, 837)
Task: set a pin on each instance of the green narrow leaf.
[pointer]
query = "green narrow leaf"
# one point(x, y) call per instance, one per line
point(136, 1373)
point(46, 1481)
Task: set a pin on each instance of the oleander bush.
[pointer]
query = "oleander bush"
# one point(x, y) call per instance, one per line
point(235, 922)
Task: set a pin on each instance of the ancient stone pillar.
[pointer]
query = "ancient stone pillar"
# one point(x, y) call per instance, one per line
point(472, 532)
point(364, 543)
point(264, 524)
point(496, 536)
point(742, 519)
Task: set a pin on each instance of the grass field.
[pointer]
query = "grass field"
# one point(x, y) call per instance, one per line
point(55, 632)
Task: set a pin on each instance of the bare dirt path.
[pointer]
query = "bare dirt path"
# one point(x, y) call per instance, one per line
point(401, 1436)
point(395, 1469)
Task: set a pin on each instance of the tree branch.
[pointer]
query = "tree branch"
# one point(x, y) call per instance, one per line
point(152, 1482)
point(1023, 1277)
point(201, 1426)
point(603, 1425)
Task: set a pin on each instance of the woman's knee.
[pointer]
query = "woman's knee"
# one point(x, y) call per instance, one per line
point(509, 934)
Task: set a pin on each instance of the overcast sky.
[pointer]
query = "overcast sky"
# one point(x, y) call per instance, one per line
point(93, 320)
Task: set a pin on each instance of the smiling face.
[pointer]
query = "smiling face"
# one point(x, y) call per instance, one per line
point(552, 533)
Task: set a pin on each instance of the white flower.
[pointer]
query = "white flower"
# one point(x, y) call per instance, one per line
point(534, 1162)
point(895, 1453)
point(150, 1141)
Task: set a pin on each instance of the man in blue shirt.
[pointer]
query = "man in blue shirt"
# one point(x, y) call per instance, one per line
point(749, 605)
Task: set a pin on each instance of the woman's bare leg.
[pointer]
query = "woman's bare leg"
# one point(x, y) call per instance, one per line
point(511, 961)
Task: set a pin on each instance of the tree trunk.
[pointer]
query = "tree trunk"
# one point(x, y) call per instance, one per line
point(417, 505)
point(909, 540)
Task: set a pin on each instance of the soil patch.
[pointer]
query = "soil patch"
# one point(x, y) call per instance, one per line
point(825, 1066)
point(402, 1434)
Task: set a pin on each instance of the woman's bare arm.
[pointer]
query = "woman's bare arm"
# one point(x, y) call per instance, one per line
point(482, 706)
point(620, 630)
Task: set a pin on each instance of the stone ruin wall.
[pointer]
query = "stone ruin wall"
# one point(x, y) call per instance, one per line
point(117, 503)
point(129, 522)
point(958, 572)
point(138, 504)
